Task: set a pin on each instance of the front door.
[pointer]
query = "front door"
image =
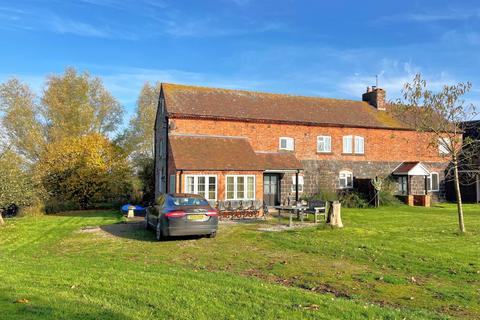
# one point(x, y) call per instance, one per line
point(271, 189)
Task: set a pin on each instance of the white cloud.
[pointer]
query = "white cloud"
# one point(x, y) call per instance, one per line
point(433, 16)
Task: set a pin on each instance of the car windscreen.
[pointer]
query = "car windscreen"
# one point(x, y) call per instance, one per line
point(188, 201)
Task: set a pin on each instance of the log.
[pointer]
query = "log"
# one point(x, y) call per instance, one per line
point(334, 217)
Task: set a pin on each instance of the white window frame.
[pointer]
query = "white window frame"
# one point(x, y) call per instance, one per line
point(358, 143)
point(346, 144)
point(245, 186)
point(430, 182)
point(444, 146)
point(300, 184)
point(207, 184)
point(345, 172)
point(289, 143)
point(324, 139)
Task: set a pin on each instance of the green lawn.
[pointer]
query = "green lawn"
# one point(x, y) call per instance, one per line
point(392, 263)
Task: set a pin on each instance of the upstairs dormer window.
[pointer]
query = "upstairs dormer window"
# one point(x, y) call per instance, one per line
point(286, 143)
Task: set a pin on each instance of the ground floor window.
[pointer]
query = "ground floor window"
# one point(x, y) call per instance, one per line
point(300, 184)
point(240, 187)
point(345, 180)
point(433, 182)
point(402, 185)
point(204, 185)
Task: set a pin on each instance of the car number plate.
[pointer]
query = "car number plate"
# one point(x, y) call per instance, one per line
point(196, 217)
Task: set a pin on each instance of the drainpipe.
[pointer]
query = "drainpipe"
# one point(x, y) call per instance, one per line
point(426, 185)
point(180, 181)
point(296, 189)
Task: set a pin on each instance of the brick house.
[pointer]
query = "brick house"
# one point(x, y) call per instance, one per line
point(235, 144)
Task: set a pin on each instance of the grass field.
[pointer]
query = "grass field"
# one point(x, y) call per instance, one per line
point(390, 263)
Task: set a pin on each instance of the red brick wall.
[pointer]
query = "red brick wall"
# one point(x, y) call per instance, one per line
point(380, 144)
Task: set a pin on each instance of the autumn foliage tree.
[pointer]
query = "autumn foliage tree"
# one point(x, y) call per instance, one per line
point(63, 138)
point(87, 169)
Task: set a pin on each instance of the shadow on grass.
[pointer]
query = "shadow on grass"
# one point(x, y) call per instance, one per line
point(135, 230)
point(30, 306)
point(89, 213)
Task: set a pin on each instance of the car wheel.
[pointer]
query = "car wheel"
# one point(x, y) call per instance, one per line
point(212, 235)
point(158, 232)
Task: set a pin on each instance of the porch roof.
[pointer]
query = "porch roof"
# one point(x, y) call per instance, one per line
point(411, 169)
point(202, 153)
point(279, 161)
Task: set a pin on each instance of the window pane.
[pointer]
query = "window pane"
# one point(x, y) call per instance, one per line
point(230, 188)
point(250, 188)
point(443, 145)
point(359, 145)
point(212, 188)
point(283, 144)
point(290, 144)
point(435, 183)
point(201, 186)
point(190, 185)
point(240, 187)
point(328, 144)
point(347, 144)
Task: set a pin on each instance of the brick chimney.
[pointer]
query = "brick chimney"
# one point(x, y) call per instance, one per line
point(375, 97)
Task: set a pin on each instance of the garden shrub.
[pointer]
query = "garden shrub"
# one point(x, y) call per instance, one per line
point(353, 199)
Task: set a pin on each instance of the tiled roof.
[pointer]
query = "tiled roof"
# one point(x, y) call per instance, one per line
point(411, 168)
point(279, 161)
point(196, 152)
point(192, 101)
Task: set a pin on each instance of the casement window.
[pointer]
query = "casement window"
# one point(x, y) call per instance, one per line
point(324, 144)
point(300, 184)
point(240, 187)
point(204, 185)
point(359, 145)
point(172, 184)
point(345, 180)
point(444, 146)
point(433, 183)
point(347, 144)
point(286, 143)
point(402, 187)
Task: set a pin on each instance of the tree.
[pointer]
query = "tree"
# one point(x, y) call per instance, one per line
point(441, 115)
point(15, 184)
point(76, 104)
point(139, 137)
point(84, 169)
point(20, 119)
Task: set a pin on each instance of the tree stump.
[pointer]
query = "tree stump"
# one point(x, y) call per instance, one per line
point(334, 217)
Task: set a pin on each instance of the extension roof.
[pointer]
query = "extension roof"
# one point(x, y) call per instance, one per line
point(240, 105)
point(197, 152)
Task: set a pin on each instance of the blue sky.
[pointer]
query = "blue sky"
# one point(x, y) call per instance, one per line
point(323, 48)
